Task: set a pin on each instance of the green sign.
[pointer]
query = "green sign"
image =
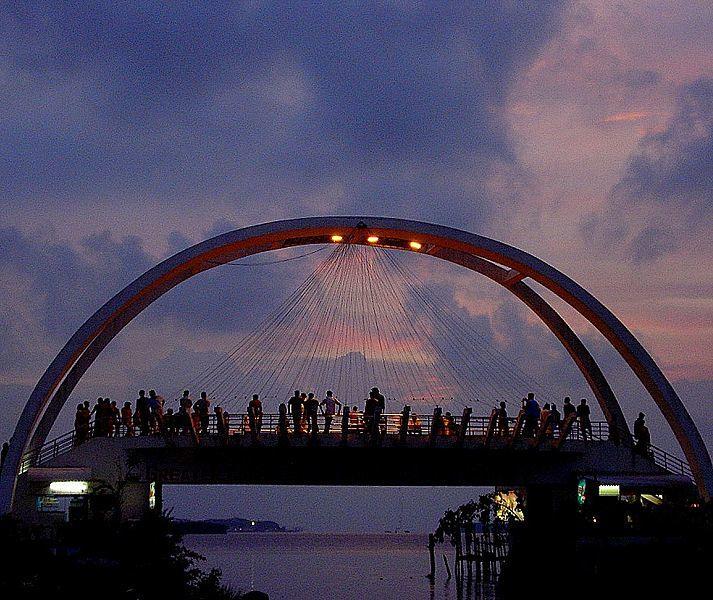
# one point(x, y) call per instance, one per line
point(582, 491)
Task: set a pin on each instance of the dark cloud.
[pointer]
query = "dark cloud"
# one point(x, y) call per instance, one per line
point(663, 201)
point(262, 103)
point(66, 283)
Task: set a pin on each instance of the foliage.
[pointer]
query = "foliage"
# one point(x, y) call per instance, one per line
point(488, 510)
point(140, 560)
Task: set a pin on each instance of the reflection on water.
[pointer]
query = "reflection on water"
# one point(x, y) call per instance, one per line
point(337, 566)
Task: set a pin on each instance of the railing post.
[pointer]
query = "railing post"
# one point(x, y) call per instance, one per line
point(490, 430)
point(565, 430)
point(436, 421)
point(345, 424)
point(464, 422)
point(403, 429)
point(517, 427)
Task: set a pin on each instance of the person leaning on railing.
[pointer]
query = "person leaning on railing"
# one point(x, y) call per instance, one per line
point(81, 424)
point(642, 435)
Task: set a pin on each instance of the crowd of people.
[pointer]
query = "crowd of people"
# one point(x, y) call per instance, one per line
point(300, 413)
point(546, 420)
point(148, 416)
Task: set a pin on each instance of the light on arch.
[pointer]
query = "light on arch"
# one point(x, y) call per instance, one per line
point(337, 238)
point(372, 239)
point(415, 245)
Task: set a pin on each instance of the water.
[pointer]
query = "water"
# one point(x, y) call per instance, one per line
point(339, 566)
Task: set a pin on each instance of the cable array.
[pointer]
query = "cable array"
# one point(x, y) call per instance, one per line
point(362, 319)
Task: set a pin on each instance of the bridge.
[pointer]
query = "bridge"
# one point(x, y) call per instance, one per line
point(399, 455)
point(402, 449)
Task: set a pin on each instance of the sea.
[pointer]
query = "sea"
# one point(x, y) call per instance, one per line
point(335, 566)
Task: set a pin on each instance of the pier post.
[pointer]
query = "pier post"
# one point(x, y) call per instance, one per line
point(432, 554)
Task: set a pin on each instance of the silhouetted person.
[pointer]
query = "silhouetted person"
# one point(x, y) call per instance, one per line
point(155, 412)
point(311, 409)
point(638, 424)
point(226, 423)
point(330, 404)
point(370, 405)
point(354, 418)
point(202, 409)
point(642, 435)
point(294, 405)
point(585, 424)
point(255, 415)
point(449, 424)
point(545, 418)
point(81, 424)
point(142, 412)
point(3, 453)
point(127, 419)
point(220, 422)
point(115, 418)
point(437, 425)
point(555, 419)
point(644, 443)
point(282, 424)
point(502, 420)
point(568, 408)
point(96, 413)
point(379, 409)
point(532, 415)
point(185, 412)
point(380, 400)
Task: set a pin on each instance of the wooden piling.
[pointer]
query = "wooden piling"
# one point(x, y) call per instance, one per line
point(432, 554)
point(448, 568)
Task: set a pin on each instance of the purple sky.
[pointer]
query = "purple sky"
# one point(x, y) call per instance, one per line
point(579, 131)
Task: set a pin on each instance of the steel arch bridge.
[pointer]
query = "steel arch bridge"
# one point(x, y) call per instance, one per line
point(502, 263)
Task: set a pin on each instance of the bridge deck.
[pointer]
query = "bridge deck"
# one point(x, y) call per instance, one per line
point(476, 438)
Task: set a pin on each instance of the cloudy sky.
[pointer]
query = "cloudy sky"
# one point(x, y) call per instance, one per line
point(581, 131)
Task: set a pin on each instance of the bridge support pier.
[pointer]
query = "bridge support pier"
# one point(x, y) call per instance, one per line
point(551, 508)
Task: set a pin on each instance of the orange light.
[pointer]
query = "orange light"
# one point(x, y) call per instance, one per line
point(414, 245)
point(337, 238)
point(372, 239)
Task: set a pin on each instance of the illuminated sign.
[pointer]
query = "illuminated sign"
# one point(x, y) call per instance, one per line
point(72, 488)
point(582, 492)
point(152, 495)
point(47, 504)
point(609, 490)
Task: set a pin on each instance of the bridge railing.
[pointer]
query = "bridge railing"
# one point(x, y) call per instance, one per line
point(239, 424)
point(665, 460)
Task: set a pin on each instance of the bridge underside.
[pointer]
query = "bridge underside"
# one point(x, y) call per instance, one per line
point(133, 464)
